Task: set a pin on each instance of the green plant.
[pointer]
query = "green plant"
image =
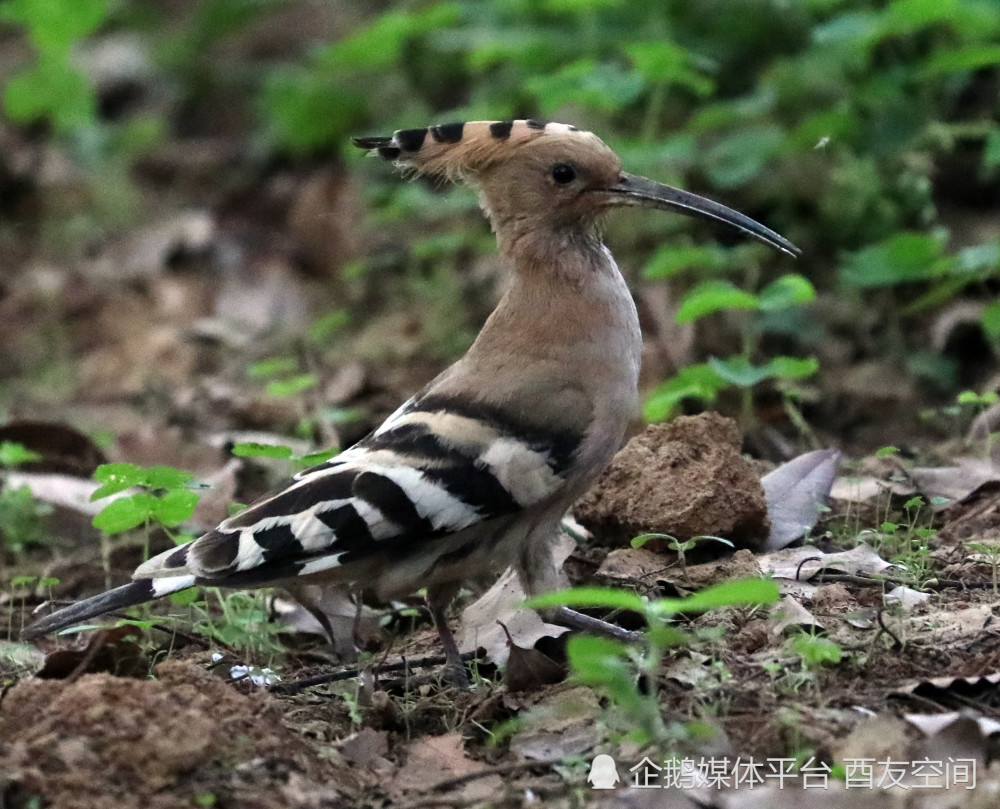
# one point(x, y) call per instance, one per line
point(811, 652)
point(991, 555)
point(22, 515)
point(22, 584)
point(616, 667)
point(815, 650)
point(166, 498)
point(251, 449)
point(297, 378)
point(14, 454)
point(53, 88)
point(243, 624)
point(705, 381)
point(677, 546)
point(906, 543)
point(22, 518)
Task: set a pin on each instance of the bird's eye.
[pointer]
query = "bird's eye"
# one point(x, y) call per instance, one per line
point(563, 174)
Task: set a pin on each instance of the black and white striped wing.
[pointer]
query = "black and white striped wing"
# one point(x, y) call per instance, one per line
point(435, 467)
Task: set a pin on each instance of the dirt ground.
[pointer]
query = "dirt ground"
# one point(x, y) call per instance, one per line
point(222, 296)
point(163, 719)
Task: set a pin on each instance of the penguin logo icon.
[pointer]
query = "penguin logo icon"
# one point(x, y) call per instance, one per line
point(603, 772)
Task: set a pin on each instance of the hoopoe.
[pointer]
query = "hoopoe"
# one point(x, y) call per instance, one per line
point(475, 471)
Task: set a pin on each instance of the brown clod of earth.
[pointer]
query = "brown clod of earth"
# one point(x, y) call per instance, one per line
point(686, 479)
point(114, 742)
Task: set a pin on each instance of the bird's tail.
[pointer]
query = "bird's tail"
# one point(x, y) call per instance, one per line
point(135, 592)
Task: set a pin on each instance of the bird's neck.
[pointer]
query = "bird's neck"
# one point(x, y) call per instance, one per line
point(566, 296)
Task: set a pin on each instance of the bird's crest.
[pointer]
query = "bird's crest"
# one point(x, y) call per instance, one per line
point(460, 149)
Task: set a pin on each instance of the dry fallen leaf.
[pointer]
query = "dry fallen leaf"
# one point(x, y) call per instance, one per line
point(906, 597)
point(502, 603)
point(954, 483)
point(801, 564)
point(529, 669)
point(790, 613)
point(367, 748)
point(796, 493)
point(112, 650)
point(433, 759)
point(561, 724)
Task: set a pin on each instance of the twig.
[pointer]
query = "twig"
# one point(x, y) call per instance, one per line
point(798, 569)
point(89, 655)
point(889, 632)
point(296, 686)
point(577, 620)
point(930, 584)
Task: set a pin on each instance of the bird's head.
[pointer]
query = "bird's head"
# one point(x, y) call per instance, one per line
point(535, 176)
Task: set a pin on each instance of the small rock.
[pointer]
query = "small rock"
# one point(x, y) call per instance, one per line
point(686, 478)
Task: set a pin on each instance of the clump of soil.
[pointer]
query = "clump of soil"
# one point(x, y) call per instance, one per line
point(149, 744)
point(686, 478)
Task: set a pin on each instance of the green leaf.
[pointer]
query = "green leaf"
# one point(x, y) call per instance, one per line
point(815, 650)
point(739, 157)
point(602, 662)
point(380, 46)
point(726, 594)
point(292, 386)
point(184, 598)
point(660, 62)
point(991, 320)
point(697, 381)
point(125, 513)
point(601, 86)
point(251, 449)
point(713, 296)
point(973, 57)
point(117, 477)
point(166, 477)
point(607, 597)
point(56, 25)
point(905, 17)
point(316, 458)
point(903, 257)
point(740, 371)
point(991, 153)
point(322, 328)
point(12, 454)
point(788, 290)
point(274, 366)
point(793, 367)
point(642, 539)
point(669, 261)
point(51, 89)
point(174, 507)
point(978, 258)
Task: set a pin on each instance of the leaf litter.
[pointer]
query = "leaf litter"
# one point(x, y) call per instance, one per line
point(554, 723)
point(911, 644)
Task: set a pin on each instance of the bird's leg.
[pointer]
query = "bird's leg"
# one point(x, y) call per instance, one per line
point(438, 599)
point(540, 572)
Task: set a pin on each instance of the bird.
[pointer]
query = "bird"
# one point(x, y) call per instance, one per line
point(475, 471)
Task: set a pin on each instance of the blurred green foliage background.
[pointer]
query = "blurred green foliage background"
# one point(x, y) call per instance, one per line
point(866, 131)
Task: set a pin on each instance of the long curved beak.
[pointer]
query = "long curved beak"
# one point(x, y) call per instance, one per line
point(634, 190)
